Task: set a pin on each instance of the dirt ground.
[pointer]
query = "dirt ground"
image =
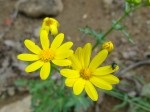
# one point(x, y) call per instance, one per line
point(76, 14)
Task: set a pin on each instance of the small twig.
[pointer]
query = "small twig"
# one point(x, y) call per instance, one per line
point(145, 62)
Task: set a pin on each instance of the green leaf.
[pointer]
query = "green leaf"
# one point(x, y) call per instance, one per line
point(122, 105)
point(128, 36)
point(117, 26)
point(89, 31)
point(127, 7)
point(146, 90)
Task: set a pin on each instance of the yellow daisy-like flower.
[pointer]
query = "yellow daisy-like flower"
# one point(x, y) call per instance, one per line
point(85, 74)
point(50, 24)
point(56, 53)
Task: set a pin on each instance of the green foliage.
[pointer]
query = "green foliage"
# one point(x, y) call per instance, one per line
point(135, 2)
point(136, 103)
point(146, 90)
point(146, 2)
point(97, 35)
point(52, 96)
point(140, 104)
point(100, 37)
point(118, 26)
point(138, 2)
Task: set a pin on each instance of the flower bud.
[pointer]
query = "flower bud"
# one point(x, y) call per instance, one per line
point(108, 46)
point(50, 25)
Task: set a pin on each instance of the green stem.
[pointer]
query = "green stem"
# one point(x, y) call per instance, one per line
point(55, 67)
point(96, 44)
point(113, 26)
point(130, 100)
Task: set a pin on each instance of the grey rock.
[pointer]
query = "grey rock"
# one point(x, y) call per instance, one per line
point(20, 65)
point(36, 32)
point(38, 8)
point(1, 35)
point(132, 93)
point(13, 44)
point(129, 54)
point(11, 91)
point(22, 105)
point(108, 2)
point(22, 89)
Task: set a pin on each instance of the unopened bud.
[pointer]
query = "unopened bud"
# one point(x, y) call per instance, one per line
point(108, 46)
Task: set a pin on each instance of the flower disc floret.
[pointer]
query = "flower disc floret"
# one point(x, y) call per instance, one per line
point(48, 22)
point(85, 73)
point(47, 55)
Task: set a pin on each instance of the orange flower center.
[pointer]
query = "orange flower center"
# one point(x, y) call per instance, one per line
point(47, 55)
point(85, 73)
point(48, 22)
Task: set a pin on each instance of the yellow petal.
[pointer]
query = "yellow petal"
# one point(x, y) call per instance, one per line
point(98, 59)
point(45, 71)
point(44, 39)
point(32, 46)
point(64, 62)
point(57, 41)
point(34, 66)
point(79, 55)
point(53, 29)
point(110, 79)
point(98, 82)
point(91, 91)
point(63, 54)
point(54, 21)
point(105, 70)
point(70, 81)
point(65, 46)
point(78, 86)
point(75, 63)
point(28, 57)
point(70, 73)
point(46, 28)
point(87, 54)
point(49, 22)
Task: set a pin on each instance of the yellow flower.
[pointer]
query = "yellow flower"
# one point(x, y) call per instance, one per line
point(56, 53)
point(50, 24)
point(85, 74)
point(108, 46)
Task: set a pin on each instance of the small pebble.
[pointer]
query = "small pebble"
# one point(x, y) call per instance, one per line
point(85, 16)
